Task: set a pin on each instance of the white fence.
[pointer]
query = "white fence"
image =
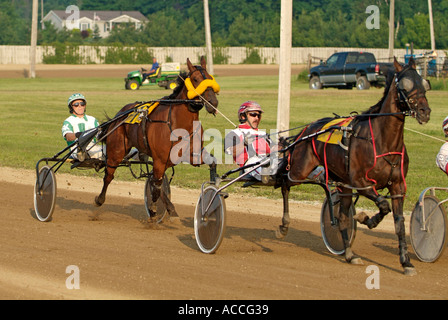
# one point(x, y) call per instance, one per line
point(235, 55)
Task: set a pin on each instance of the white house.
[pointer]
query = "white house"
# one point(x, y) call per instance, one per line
point(88, 19)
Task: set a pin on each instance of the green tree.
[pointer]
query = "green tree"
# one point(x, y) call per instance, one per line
point(14, 29)
point(124, 33)
point(307, 29)
point(416, 30)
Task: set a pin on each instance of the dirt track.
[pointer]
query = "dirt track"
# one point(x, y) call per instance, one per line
point(121, 257)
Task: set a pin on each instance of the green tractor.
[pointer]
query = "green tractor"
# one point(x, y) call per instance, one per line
point(165, 76)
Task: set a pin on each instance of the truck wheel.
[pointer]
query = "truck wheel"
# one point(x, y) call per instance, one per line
point(362, 83)
point(132, 85)
point(315, 83)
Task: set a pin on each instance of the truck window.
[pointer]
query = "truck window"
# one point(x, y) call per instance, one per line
point(352, 58)
point(366, 58)
point(332, 60)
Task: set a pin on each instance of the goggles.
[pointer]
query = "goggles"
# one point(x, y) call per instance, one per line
point(255, 114)
point(77, 104)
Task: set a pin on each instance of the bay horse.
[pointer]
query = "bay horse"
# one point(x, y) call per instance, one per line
point(153, 136)
point(375, 157)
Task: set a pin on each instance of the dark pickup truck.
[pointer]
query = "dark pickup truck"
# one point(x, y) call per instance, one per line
point(349, 69)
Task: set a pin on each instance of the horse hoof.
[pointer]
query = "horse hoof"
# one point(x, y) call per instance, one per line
point(356, 261)
point(281, 232)
point(173, 214)
point(279, 235)
point(361, 217)
point(153, 207)
point(97, 202)
point(409, 271)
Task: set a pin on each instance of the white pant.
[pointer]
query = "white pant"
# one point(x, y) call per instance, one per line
point(98, 151)
point(271, 170)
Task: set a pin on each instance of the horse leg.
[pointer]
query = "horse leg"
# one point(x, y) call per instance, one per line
point(344, 223)
point(113, 159)
point(168, 205)
point(397, 206)
point(157, 191)
point(282, 230)
point(108, 177)
point(383, 206)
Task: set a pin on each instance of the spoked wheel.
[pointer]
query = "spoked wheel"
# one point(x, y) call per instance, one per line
point(209, 225)
point(429, 232)
point(330, 233)
point(161, 209)
point(45, 194)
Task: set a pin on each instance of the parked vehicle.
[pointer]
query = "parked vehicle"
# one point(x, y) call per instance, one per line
point(431, 59)
point(349, 69)
point(165, 76)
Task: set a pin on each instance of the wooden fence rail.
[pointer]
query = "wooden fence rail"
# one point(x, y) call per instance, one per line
point(234, 55)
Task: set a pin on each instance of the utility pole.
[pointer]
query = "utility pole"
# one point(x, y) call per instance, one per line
point(284, 78)
point(208, 39)
point(391, 29)
point(42, 14)
point(33, 40)
point(431, 26)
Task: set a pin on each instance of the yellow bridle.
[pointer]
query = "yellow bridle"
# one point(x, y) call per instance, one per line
point(207, 83)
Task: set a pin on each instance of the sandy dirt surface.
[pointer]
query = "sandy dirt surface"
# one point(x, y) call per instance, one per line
point(93, 70)
point(120, 256)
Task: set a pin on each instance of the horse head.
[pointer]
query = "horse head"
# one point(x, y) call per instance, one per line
point(412, 89)
point(202, 86)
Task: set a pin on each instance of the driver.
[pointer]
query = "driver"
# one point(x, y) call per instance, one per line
point(246, 143)
point(77, 123)
point(442, 156)
point(154, 67)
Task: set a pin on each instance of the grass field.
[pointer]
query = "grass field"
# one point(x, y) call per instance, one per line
point(32, 112)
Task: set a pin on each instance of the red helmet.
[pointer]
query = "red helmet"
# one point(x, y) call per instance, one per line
point(247, 107)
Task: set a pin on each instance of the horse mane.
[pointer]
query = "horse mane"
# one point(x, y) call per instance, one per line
point(390, 72)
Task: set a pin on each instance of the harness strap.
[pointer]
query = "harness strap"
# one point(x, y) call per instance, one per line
point(288, 166)
point(376, 156)
point(143, 127)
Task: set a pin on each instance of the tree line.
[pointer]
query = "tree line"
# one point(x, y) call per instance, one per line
point(317, 23)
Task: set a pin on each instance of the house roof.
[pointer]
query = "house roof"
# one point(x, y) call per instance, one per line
point(102, 15)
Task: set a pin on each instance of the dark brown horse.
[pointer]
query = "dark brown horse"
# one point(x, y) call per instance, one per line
point(153, 136)
point(375, 157)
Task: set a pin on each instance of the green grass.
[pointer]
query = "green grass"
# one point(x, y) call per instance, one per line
point(32, 112)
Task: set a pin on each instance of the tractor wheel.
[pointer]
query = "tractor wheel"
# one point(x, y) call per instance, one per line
point(172, 85)
point(132, 85)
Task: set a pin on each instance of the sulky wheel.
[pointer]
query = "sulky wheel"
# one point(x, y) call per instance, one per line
point(330, 233)
point(209, 225)
point(428, 233)
point(45, 194)
point(161, 209)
